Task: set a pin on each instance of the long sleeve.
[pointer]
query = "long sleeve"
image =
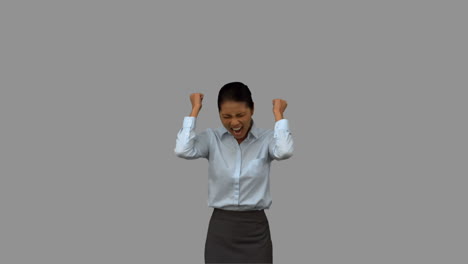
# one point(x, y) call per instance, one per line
point(282, 145)
point(189, 144)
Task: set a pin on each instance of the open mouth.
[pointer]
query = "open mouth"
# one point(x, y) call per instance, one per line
point(237, 132)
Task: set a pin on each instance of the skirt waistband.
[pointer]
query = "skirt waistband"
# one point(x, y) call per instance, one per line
point(254, 215)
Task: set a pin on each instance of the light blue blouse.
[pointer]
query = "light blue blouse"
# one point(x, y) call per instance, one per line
point(238, 174)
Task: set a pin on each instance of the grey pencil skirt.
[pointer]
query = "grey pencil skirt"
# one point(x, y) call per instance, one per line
point(238, 237)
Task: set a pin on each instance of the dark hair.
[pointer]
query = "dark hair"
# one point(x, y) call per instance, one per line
point(237, 92)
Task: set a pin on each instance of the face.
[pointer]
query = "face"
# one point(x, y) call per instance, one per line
point(235, 115)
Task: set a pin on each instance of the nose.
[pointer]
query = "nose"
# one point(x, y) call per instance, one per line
point(234, 123)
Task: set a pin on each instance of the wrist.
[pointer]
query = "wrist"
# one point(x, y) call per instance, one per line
point(195, 111)
point(278, 116)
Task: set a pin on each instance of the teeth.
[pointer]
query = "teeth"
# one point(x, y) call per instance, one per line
point(237, 129)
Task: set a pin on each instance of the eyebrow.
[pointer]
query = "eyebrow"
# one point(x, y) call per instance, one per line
point(237, 113)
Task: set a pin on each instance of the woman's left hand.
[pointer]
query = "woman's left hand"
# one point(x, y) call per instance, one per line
point(279, 105)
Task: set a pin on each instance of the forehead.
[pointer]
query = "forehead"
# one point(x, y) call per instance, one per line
point(231, 107)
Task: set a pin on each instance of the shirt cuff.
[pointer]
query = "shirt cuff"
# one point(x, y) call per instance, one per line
point(282, 124)
point(189, 121)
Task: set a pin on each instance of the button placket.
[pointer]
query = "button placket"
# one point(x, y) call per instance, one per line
point(237, 174)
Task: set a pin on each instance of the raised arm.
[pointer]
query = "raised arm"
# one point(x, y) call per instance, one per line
point(189, 144)
point(282, 145)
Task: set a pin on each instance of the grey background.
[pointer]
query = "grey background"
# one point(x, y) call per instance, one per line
point(94, 92)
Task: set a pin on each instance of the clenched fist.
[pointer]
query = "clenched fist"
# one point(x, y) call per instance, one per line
point(279, 105)
point(196, 100)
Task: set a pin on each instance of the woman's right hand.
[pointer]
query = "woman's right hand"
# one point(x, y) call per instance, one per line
point(196, 100)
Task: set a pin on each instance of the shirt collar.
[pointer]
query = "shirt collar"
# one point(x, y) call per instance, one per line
point(253, 131)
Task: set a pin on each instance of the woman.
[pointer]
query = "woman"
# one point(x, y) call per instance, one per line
point(239, 155)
